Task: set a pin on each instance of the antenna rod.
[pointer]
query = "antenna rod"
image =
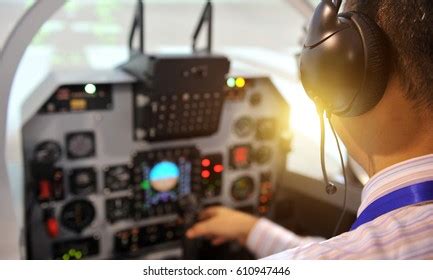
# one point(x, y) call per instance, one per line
point(206, 17)
point(209, 26)
point(138, 22)
point(132, 33)
point(141, 24)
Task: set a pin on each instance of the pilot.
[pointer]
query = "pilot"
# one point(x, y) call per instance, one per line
point(393, 142)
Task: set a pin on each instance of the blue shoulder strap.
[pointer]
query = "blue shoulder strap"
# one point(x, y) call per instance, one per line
point(410, 195)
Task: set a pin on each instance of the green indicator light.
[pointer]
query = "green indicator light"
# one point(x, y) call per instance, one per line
point(78, 255)
point(145, 185)
point(231, 82)
point(72, 252)
point(90, 89)
point(65, 257)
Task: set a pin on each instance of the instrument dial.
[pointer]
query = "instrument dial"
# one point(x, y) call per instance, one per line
point(82, 181)
point(80, 145)
point(263, 154)
point(118, 209)
point(117, 178)
point(266, 129)
point(244, 126)
point(242, 188)
point(77, 215)
point(47, 152)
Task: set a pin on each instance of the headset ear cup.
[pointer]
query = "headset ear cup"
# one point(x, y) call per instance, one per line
point(377, 67)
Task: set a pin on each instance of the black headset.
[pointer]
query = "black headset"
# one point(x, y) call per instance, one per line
point(344, 68)
point(344, 64)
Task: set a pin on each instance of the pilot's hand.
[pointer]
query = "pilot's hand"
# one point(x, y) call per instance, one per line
point(220, 224)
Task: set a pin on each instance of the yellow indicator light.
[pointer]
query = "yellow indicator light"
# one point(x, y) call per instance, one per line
point(90, 88)
point(240, 82)
point(78, 104)
point(231, 82)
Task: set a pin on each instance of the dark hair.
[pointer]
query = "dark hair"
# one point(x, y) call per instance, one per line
point(408, 24)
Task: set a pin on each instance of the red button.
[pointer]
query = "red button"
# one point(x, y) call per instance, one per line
point(52, 227)
point(205, 162)
point(218, 168)
point(205, 174)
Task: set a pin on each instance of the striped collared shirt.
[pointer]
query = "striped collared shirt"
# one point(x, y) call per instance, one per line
point(405, 233)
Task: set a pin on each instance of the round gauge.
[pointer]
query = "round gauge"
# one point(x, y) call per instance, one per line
point(266, 129)
point(117, 178)
point(47, 152)
point(164, 176)
point(77, 215)
point(82, 180)
point(242, 188)
point(263, 154)
point(255, 99)
point(118, 208)
point(80, 145)
point(244, 126)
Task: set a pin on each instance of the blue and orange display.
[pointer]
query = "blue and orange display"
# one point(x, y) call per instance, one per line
point(164, 176)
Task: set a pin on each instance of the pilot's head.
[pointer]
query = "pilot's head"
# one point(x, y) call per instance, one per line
point(400, 126)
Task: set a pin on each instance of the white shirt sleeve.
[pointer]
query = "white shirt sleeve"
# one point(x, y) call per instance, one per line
point(268, 238)
point(405, 233)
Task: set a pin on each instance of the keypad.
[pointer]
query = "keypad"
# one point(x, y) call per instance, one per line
point(180, 115)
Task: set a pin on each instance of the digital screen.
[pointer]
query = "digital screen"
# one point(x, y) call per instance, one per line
point(160, 177)
point(164, 181)
point(164, 176)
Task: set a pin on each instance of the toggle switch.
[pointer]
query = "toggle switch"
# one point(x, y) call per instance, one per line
point(51, 223)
